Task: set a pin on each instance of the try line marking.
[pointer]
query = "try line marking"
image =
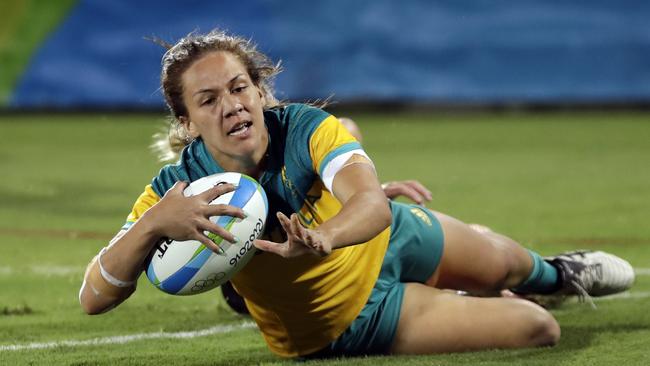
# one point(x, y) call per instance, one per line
point(642, 271)
point(218, 329)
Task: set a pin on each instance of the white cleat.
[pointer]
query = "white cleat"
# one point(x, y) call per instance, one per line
point(592, 273)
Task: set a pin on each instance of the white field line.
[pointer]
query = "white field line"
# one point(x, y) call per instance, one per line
point(624, 296)
point(642, 271)
point(47, 270)
point(218, 329)
point(52, 270)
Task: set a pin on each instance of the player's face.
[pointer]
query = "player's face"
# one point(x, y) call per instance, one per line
point(225, 110)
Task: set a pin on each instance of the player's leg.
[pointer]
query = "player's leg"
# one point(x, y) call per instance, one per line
point(234, 300)
point(486, 262)
point(481, 261)
point(436, 321)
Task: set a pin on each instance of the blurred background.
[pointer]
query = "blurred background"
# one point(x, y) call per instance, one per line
point(92, 54)
point(531, 117)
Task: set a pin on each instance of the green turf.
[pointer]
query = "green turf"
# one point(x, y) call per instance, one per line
point(554, 181)
point(25, 24)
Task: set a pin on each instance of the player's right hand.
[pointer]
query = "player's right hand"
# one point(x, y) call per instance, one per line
point(188, 218)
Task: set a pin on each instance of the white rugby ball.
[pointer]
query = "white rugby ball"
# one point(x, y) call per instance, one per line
point(188, 267)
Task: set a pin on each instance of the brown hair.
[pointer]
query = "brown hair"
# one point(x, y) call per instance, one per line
point(180, 56)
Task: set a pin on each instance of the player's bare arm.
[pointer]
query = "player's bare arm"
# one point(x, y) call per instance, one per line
point(111, 276)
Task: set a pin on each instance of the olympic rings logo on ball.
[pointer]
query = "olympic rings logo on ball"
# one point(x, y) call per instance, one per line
point(208, 281)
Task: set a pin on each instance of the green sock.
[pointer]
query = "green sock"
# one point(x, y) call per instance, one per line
point(543, 279)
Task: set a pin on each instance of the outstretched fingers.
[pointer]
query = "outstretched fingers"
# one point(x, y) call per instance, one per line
point(299, 239)
point(281, 249)
point(297, 228)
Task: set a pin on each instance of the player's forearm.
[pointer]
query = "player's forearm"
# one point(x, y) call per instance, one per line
point(96, 295)
point(125, 256)
point(363, 216)
point(112, 274)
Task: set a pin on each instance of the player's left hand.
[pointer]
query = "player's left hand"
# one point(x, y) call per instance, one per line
point(300, 240)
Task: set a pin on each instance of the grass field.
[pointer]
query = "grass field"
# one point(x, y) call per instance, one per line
point(554, 181)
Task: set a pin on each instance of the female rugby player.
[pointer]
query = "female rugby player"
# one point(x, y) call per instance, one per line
point(343, 271)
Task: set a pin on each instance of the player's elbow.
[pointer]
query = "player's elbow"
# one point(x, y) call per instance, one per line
point(383, 214)
point(88, 306)
point(94, 307)
point(91, 309)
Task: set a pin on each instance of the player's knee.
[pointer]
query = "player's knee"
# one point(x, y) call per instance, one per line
point(544, 329)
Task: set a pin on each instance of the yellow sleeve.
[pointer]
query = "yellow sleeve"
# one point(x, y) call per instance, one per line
point(147, 199)
point(329, 140)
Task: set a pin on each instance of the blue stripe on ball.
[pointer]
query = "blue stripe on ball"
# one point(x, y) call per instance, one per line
point(178, 280)
point(152, 275)
point(174, 283)
point(240, 198)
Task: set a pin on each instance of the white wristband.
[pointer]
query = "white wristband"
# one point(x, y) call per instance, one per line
point(109, 277)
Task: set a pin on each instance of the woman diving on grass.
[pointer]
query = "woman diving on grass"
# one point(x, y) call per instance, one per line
point(343, 270)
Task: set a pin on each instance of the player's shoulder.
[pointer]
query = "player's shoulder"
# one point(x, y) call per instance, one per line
point(296, 116)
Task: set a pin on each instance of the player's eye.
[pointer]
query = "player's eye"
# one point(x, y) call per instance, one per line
point(238, 89)
point(207, 101)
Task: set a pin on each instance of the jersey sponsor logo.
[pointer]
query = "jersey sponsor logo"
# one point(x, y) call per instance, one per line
point(287, 182)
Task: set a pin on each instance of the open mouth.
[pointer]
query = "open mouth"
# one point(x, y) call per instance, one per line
point(240, 128)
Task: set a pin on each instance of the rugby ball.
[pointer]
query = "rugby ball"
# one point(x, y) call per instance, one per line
point(188, 267)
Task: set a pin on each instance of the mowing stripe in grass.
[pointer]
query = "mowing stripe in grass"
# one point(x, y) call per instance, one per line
point(218, 329)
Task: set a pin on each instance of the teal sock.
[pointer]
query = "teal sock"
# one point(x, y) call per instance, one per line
point(543, 279)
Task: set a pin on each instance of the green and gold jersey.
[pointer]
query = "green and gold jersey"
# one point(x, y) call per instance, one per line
point(299, 304)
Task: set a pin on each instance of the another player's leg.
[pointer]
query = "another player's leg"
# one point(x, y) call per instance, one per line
point(436, 321)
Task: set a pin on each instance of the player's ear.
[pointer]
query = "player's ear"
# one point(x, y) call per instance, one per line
point(189, 126)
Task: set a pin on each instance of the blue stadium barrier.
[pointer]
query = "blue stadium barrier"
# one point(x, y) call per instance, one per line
point(479, 51)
